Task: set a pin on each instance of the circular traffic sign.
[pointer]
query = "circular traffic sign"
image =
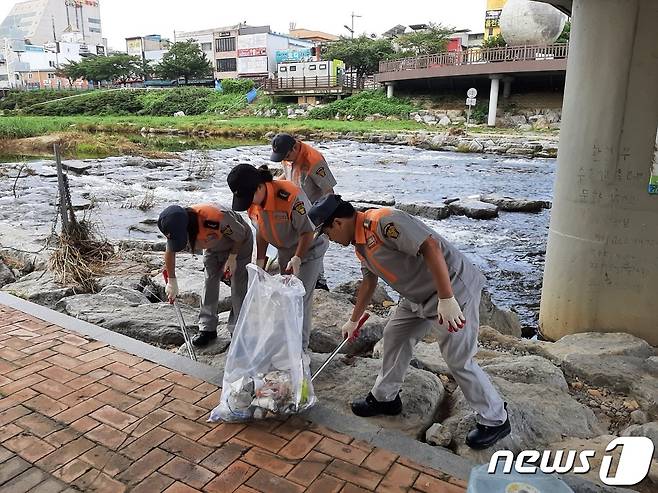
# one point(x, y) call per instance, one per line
point(472, 92)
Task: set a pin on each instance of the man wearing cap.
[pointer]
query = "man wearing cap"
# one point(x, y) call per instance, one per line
point(305, 167)
point(278, 211)
point(227, 244)
point(437, 284)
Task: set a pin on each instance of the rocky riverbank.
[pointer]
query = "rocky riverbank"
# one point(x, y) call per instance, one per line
point(578, 392)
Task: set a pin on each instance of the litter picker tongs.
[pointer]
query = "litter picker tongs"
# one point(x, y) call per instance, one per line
point(355, 334)
point(181, 322)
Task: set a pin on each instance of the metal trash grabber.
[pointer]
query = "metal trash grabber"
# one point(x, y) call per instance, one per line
point(181, 322)
point(355, 334)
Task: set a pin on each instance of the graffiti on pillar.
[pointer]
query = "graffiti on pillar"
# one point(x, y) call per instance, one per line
point(653, 180)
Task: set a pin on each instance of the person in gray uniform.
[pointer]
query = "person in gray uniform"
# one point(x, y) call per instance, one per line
point(438, 285)
point(307, 168)
point(227, 244)
point(277, 209)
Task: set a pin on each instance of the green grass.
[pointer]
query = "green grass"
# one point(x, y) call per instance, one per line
point(32, 126)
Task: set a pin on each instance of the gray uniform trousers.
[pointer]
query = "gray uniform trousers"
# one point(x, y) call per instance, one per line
point(213, 262)
point(409, 324)
point(308, 273)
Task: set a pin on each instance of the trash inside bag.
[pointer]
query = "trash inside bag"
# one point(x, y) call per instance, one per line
point(267, 373)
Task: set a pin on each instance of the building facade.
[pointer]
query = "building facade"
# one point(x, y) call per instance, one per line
point(149, 48)
point(25, 66)
point(43, 21)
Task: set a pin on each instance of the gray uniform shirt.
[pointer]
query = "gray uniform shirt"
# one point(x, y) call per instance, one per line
point(388, 241)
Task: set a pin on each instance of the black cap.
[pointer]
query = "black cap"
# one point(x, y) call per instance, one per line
point(282, 144)
point(173, 224)
point(322, 212)
point(243, 180)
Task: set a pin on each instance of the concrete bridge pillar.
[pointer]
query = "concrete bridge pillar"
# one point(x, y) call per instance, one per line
point(601, 270)
point(389, 90)
point(493, 99)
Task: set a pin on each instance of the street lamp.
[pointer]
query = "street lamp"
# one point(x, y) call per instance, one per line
point(351, 29)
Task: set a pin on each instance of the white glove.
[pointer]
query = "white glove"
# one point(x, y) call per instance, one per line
point(171, 289)
point(231, 264)
point(450, 314)
point(260, 262)
point(294, 265)
point(348, 328)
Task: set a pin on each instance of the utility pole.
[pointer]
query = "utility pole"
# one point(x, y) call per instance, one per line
point(353, 16)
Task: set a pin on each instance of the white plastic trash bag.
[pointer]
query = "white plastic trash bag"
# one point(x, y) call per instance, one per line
point(267, 373)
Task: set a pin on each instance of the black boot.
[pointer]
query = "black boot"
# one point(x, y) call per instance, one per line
point(483, 436)
point(203, 338)
point(369, 406)
point(321, 284)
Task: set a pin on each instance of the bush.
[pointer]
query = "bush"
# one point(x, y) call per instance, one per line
point(22, 99)
point(364, 104)
point(227, 103)
point(91, 103)
point(237, 86)
point(480, 112)
point(166, 102)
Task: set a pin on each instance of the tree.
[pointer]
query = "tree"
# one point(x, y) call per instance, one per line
point(118, 67)
point(494, 41)
point(145, 70)
point(184, 59)
point(70, 71)
point(433, 39)
point(361, 54)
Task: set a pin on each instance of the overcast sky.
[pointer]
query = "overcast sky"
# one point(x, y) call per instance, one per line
point(125, 18)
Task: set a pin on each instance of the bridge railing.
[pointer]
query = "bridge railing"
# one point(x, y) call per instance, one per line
point(313, 82)
point(479, 55)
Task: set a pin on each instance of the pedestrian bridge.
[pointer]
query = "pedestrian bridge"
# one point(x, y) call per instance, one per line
point(507, 60)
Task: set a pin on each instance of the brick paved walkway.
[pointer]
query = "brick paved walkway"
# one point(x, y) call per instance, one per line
point(79, 415)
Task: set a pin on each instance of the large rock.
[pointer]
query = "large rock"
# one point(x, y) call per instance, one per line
point(131, 296)
point(351, 288)
point(384, 200)
point(430, 211)
point(511, 204)
point(526, 369)
point(340, 383)
point(39, 287)
point(538, 418)
point(6, 275)
point(504, 321)
point(627, 375)
point(154, 323)
point(649, 430)
point(473, 208)
point(597, 444)
point(191, 278)
point(518, 369)
point(596, 345)
point(134, 281)
point(214, 354)
point(330, 312)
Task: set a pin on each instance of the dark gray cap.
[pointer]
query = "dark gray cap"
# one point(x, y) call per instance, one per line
point(173, 224)
point(282, 144)
point(323, 210)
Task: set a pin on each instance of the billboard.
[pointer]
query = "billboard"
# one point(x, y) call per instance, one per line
point(252, 41)
point(252, 65)
point(243, 52)
point(134, 47)
point(298, 55)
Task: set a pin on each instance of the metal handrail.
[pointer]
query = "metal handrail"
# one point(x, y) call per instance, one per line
point(314, 82)
point(479, 55)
